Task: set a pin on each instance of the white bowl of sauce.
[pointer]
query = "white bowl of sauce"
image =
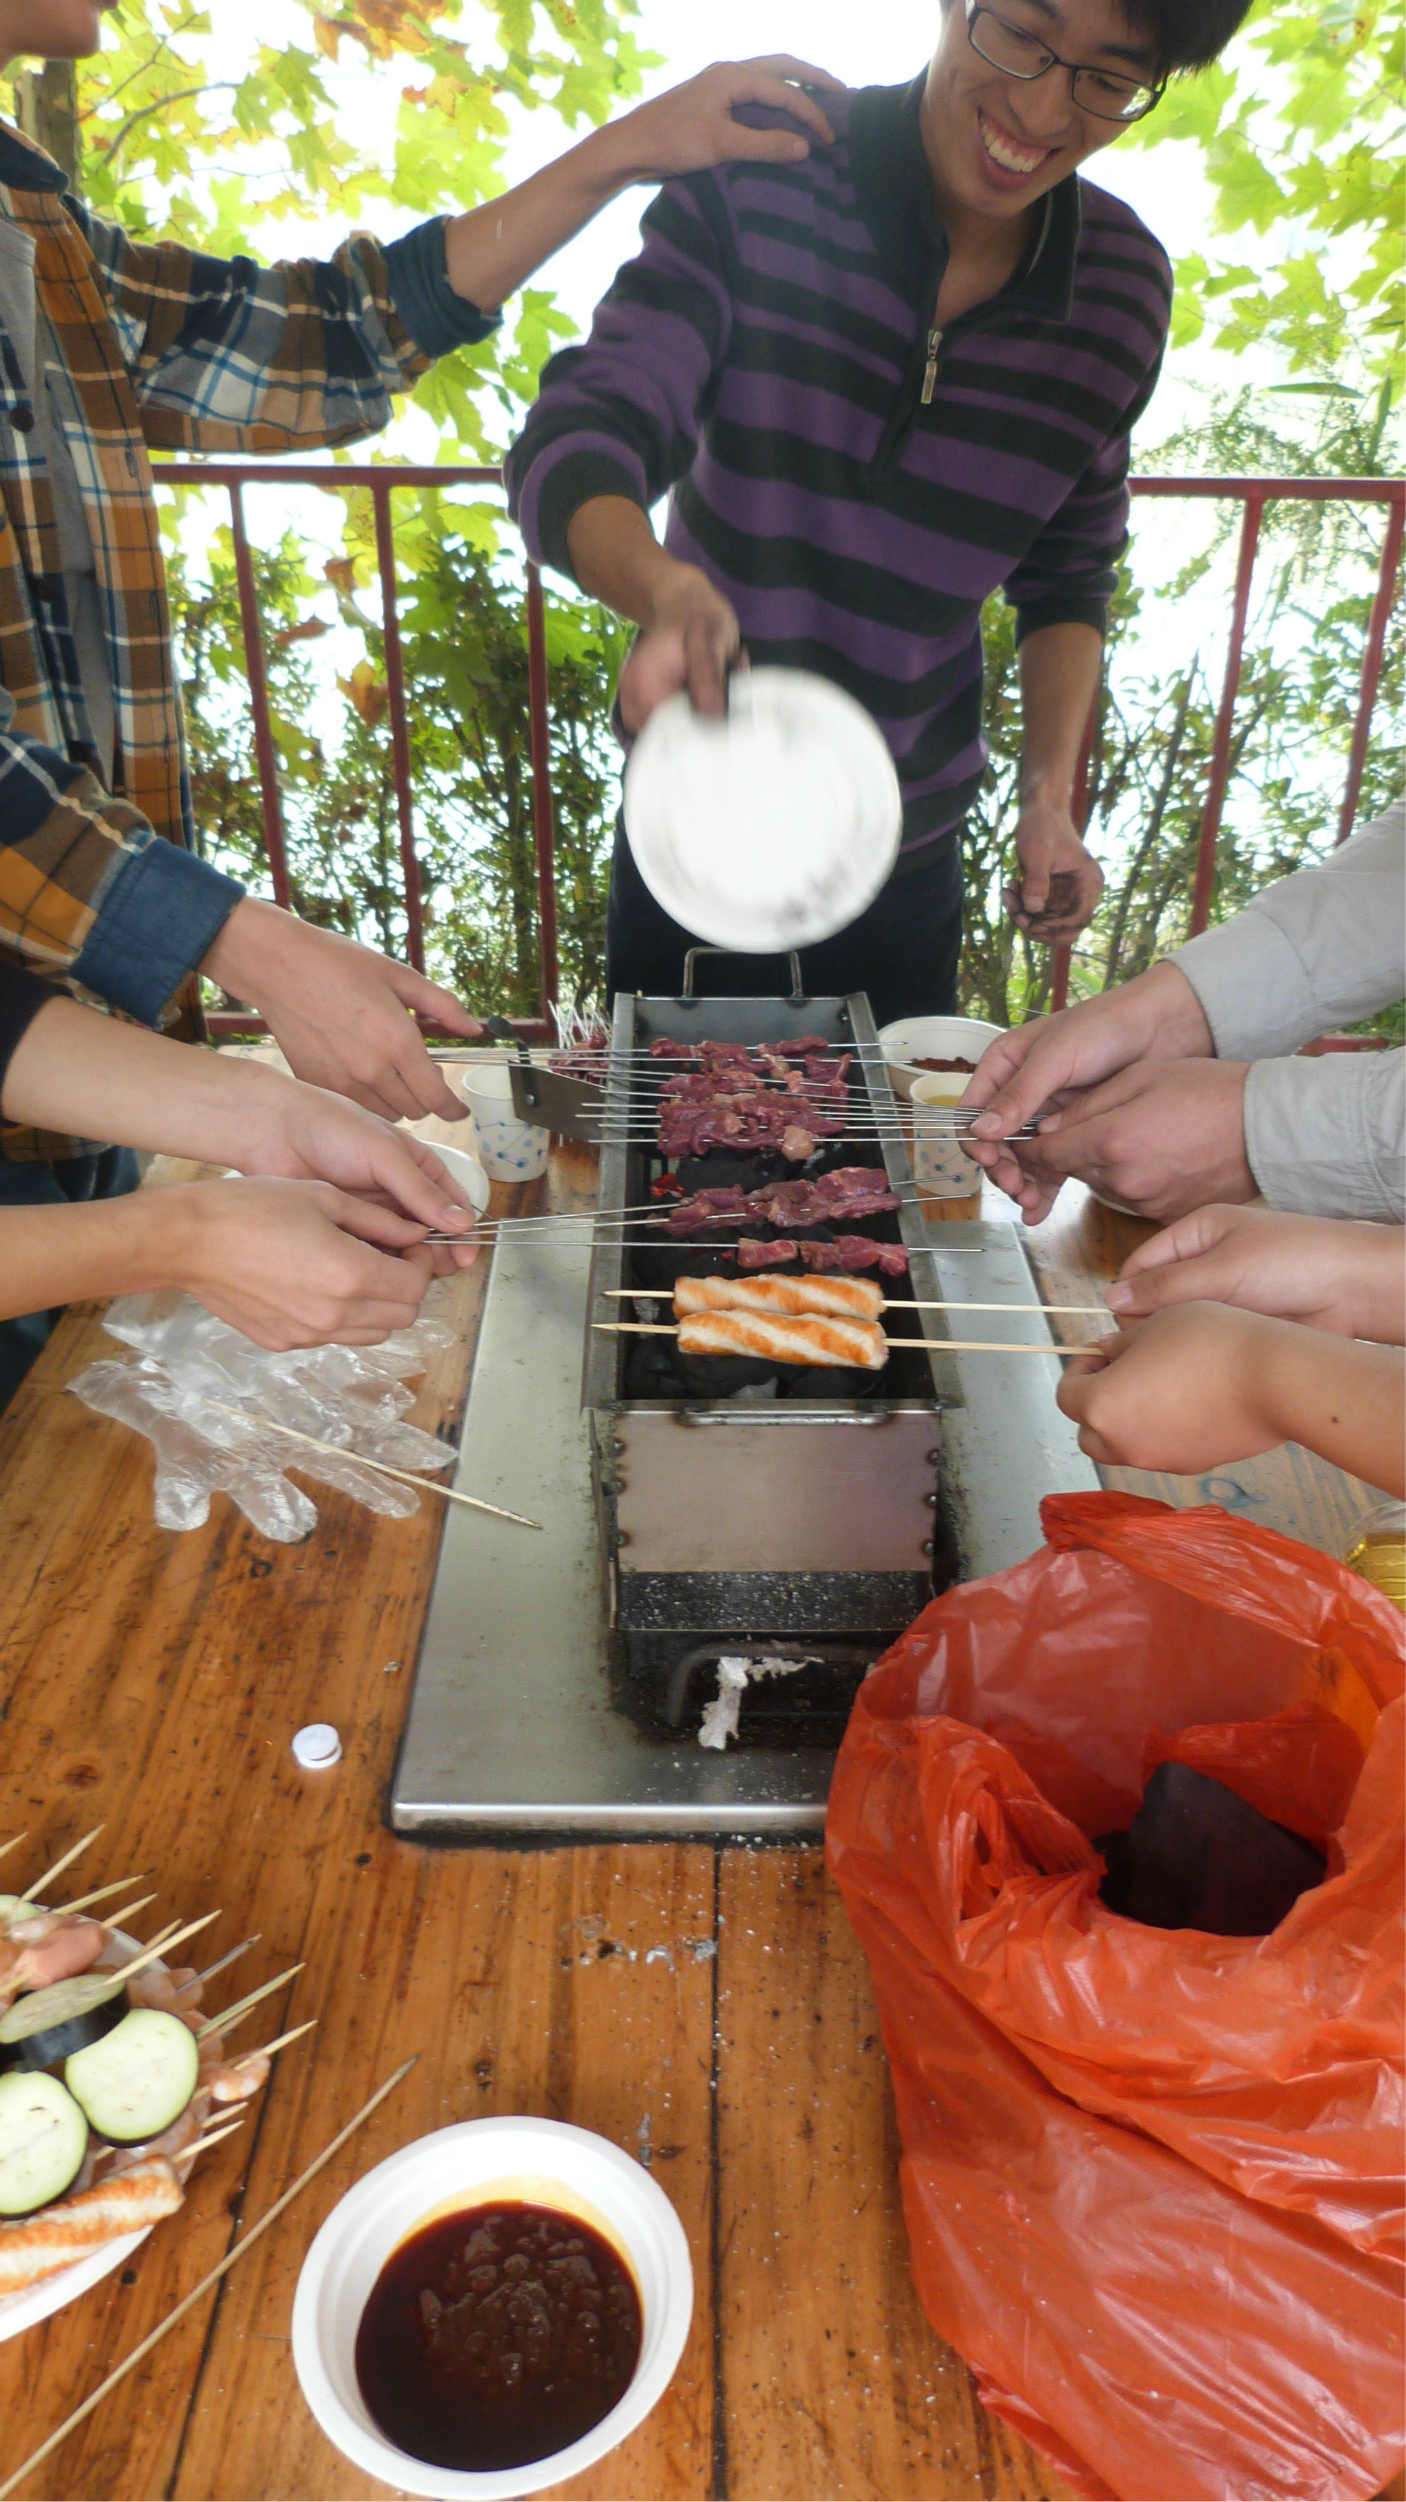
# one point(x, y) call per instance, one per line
point(468, 2274)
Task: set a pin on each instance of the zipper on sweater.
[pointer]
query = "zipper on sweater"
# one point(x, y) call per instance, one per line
point(919, 388)
point(930, 369)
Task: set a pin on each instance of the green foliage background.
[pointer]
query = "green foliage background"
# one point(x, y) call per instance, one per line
point(1298, 131)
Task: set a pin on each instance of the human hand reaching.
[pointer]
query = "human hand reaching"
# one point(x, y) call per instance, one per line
point(293, 1264)
point(1185, 1391)
point(1060, 881)
point(692, 127)
point(1204, 1385)
point(1158, 1139)
point(296, 1132)
point(1035, 1068)
point(1319, 1270)
point(343, 1016)
point(693, 642)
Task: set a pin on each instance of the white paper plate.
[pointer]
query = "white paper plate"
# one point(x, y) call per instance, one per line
point(770, 829)
point(38, 2302)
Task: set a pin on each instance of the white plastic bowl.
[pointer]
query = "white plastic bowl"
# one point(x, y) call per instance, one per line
point(465, 1170)
point(543, 2163)
point(932, 1038)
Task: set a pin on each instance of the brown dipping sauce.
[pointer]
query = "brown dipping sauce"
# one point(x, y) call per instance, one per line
point(966, 1067)
point(497, 2336)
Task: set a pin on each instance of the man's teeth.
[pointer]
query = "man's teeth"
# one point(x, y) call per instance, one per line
point(1014, 160)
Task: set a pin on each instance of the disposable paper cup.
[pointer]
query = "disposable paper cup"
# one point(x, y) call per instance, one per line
point(510, 1150)
point(932, 1038)
point(940, 1168)
point(542, 2163)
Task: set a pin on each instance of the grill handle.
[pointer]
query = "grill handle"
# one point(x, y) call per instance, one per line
point(688, 992)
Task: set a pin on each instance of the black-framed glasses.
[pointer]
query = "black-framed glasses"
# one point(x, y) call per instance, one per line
point(1021, 55)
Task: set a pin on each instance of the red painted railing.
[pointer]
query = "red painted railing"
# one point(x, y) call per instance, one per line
point(1253, 494)
point(383, 482)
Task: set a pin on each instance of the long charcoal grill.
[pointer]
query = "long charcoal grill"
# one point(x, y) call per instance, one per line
point(562, 1675)
point(773, 1527)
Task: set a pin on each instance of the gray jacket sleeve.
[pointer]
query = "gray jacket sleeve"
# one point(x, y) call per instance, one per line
point(1324, 1137)
point(1321, 948)
point(1327, 1137)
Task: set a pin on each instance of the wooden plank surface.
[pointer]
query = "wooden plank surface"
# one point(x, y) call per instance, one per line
point(710, 2012)
point(832, 2381)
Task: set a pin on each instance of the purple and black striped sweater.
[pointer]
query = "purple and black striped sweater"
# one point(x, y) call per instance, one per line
point(853, 481)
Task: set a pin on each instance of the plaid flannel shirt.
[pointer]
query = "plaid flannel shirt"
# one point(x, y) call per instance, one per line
point(152, 344)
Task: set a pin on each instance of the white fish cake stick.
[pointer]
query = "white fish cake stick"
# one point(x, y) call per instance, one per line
point(813, 1340)
point(848, 1298)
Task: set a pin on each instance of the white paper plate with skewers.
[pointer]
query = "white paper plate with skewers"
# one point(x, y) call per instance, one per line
point(113, 2078)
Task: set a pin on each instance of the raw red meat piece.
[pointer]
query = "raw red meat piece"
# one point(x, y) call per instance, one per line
point(797, 1144)
point(801, 1047)
point(662, 1049)
point(854, 1252)
point(752, 1255)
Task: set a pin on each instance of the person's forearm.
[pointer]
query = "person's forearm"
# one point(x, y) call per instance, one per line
point(55, 1255)
point(490, 251)
point(74, 1070)
point(1342, 1399)
point(1059, 675)
point(617, 559)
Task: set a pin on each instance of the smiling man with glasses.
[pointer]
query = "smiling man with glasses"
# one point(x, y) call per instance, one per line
point(878, 386)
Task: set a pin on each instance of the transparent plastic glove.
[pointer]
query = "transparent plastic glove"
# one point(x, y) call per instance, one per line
point(191, 1370)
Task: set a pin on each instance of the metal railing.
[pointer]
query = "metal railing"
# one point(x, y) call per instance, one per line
point(1252, 494)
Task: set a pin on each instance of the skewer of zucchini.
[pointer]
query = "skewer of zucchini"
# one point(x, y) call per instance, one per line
point(43, 2140)
point(46, 2026)
point(136, 2080)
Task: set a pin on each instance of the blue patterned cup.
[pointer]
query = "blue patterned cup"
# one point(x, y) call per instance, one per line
point(509, 1150)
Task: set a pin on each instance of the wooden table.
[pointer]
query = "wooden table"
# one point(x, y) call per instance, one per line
point(707, 2009)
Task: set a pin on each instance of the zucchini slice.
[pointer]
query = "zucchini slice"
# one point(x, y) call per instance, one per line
point(40, 2010)
point(53, 2043)
point(138, 2079)
point(43, 2139)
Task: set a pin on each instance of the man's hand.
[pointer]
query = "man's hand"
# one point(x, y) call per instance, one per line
point(692, 127)
point(1060, 881)
point(693, 640)
point(294, 1264)
point(1185, 1391)
point(1035, 1067)
point(1346, 1278)
point(1158, 1140)
point(303, 1133)
point(342, 1015)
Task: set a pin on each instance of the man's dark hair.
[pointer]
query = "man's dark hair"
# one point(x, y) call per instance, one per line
point(1188, 33)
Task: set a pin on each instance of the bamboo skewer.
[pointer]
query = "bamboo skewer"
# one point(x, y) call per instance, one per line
point(425, 1485)
point(128, 1911)
point(199, 2145)
point(937, 1346)
point(891, 1303)
point(266, 2049)
point(158, 1946)
point(102, 1892)
point(231, 2259)
point(231, 2016)
point(31, 1891)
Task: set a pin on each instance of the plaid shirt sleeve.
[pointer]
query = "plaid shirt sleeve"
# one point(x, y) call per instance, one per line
point(226, 356)
point(88, 891)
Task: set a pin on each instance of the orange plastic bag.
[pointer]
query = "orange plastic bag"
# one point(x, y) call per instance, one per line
point(1151, 2178)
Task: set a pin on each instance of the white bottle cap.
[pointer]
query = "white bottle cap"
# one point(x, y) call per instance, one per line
point(317, 1747)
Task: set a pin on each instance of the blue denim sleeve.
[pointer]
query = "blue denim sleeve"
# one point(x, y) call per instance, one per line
point(436, 318)
point(157, 921)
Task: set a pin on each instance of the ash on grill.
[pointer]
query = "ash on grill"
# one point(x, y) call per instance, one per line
point(775, 1150)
